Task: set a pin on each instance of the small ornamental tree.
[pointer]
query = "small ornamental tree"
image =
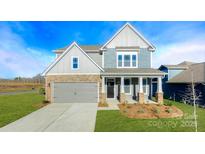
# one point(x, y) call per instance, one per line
point(192, 95)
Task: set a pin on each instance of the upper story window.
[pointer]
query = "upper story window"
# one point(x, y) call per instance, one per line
point(126, 59)
point(134, 60)
point(75, 63)
point(119, 60)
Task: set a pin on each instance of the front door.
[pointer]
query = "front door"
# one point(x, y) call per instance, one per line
point(110, 88)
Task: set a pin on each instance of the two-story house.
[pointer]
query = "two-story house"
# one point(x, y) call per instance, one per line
point(121, 69)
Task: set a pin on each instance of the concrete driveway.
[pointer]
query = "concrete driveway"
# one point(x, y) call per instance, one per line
point(61, 117)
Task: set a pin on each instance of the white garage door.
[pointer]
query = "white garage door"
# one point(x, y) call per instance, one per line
point(75, 92)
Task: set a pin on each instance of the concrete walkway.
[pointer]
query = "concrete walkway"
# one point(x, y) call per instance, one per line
point(65, 117)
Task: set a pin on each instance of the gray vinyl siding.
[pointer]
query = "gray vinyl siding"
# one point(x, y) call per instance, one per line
point(144, 58)
point(96, 57)
point(173, 73)
point(110, 58)
point(65, 64)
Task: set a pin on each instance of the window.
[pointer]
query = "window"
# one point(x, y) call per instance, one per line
point(134, 60)
point(75, 63)
point(127, 86)
point(119, 60)
point(127, 59)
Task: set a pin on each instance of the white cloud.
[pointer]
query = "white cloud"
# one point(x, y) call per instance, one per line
point(17, 59)
point(192, 50)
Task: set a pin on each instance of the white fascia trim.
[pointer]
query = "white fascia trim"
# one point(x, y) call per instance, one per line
point(138, 33)
point(136, 50)
point(64, 53)
point(151, 59)
point(129, 76)
point(72, 74)
point(103, 59)
point(161, 74)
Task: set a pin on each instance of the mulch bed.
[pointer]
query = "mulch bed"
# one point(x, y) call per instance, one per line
point(149, 111)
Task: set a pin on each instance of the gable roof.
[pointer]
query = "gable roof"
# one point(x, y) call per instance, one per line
point(182, 65)
point(64, 53)
point(152, 47)
point(185, 76)
point(187, 63)
point(86, 48)
point(174, 66)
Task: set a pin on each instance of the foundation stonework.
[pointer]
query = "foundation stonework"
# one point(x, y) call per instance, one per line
point(122, 98)
point(141, 98)
point(69, 78)
point(159, 98)
point(103, 98)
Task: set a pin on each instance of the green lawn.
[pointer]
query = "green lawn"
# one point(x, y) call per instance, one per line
point(113, 121)
point(13, 107)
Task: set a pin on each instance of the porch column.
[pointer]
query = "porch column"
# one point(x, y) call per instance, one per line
point(103, 84)
point(122, 91)
point(103, 94)
point(141, 85)
point(159, 85)
point(141, 94)
point(159, 94)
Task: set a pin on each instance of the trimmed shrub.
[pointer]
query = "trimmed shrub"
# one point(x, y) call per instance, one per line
point(156, 110)
point(42, 91)
point(46, 102)
point(168, 103)
point(168, 110)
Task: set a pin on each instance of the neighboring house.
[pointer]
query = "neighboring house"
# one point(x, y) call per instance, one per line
point(121, 69)
point(179, 77)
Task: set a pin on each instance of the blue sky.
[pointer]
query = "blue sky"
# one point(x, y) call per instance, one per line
point(26, 47)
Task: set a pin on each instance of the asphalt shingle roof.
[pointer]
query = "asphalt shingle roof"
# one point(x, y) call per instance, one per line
point(185, 76)
point(84, 47)
point(133, 71)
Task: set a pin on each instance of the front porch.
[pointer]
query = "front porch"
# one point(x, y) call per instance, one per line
point(130, 89)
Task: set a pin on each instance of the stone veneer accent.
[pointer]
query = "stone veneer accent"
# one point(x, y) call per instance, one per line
point(69, 78)
point(103, 98)
point(159, 98)
point(122, 98)
point(141, 98)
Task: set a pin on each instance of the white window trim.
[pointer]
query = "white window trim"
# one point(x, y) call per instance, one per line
point(72, 62)
point(127, 53)
point(103, 59)
point(130, 85)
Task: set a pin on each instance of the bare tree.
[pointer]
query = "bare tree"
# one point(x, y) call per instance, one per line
point(192, 96)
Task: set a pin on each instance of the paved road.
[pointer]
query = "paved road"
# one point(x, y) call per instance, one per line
point(18, 92)
point(56, 117)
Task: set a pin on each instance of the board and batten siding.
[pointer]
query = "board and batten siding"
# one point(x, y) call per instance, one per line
point(110, 58)
point(64, 65)
point(127, 37)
